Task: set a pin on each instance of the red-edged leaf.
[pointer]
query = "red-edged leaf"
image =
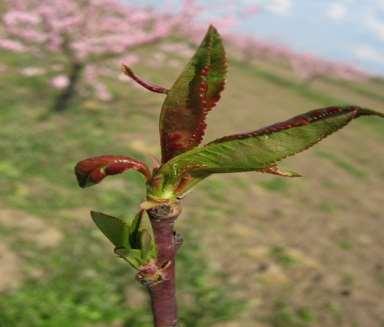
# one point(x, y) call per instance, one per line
point(92, 170)
point(253, 151)
point(307, 118)
point(194, 94)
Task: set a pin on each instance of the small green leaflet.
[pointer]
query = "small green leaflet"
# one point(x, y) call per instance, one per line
point(255, 151)
point(133, 239)
point(115, 229)
point(141, 236)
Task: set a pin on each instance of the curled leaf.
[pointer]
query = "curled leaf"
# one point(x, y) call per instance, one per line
point(93, 170)
point(193, 95)
point(255, 151)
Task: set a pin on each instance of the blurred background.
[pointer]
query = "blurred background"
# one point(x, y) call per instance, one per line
point(258, 250)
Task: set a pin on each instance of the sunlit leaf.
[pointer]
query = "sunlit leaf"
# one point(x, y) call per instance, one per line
point(255, 151)
point(194, 94)
point(92, 170)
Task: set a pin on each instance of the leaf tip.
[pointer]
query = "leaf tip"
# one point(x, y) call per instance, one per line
point(212, 29)
point(94, 215)
point(367, 112)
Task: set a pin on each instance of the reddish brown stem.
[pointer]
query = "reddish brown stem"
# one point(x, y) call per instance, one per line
point(163, 293)
point(147, 85)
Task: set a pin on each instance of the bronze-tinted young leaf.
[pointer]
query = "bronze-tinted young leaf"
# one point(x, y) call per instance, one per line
point(258, 150)
point(92, 170)
point(194, 94)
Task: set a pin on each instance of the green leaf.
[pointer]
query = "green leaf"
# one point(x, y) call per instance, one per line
point(134, 235)
point(141, 236)
point(147, 244)
point(254, 151)
point(133, 239)
point(115, 229)
point(147, 239)
point(193, 95)
point(132, 256)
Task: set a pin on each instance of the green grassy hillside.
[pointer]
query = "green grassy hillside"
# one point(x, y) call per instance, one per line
point(259, 250)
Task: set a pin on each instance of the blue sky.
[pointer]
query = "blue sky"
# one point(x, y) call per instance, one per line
point(350, 31)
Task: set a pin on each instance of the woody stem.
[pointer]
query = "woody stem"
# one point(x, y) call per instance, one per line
point(163, 293)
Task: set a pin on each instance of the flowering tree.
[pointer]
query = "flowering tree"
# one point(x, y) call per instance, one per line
point(309, 67)
point(77, 35)
point(306, 66)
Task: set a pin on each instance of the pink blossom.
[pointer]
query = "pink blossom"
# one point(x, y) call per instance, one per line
point(306, 66)
point(60, 82)
point(90, 32)
point(11, 45)
point(86, 32)
point(14, 17)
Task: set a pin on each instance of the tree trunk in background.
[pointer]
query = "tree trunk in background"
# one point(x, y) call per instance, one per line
point(64, 98)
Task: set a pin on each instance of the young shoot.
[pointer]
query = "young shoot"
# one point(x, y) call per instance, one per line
point(147, 240)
